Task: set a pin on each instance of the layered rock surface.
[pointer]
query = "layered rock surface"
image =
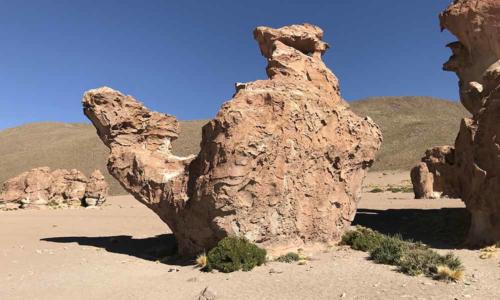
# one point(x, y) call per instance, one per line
point(282, 163)
point(42, 187)
point(473, 168)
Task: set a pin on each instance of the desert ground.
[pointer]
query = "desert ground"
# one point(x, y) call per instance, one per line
point(116, 252)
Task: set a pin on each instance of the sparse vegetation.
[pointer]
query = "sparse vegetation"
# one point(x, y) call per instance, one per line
point(389, 251)
point(488, 252)
point(376, 190)
point(289, 257)
point(393, 189)
point(411, 258)
point(362, 239)
point(53, 204)
point(400, 189)
point(233, 254)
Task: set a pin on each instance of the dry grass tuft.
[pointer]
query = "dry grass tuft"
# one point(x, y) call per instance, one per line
point(201, 260)
point(488, 252)
point(447, 274)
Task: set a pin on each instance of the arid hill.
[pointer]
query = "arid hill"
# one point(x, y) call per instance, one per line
point(409, 125)
point(70, 146)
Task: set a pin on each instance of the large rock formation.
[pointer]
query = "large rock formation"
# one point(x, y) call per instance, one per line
point(281, 164)
point(41, 187)
point(435, 176)
point(473, 167)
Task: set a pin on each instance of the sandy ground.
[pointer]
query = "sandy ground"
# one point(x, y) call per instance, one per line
point(109, 253)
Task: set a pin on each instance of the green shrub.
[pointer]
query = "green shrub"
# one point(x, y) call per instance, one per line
point(376, 190)
point(390, 251)
point(233, 254)
point(407, 189)
point(451, 261)
point(362, 239)
point(401, 189)
point(411, 258)
point(419, 261)
point(289, 257)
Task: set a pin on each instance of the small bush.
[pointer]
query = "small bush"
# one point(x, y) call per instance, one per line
point(426, 261)
point(376, 190)
point(390, 251)
point(233, 254)
point(411, 258)
point(289, 257)
point(419, 261)
point(362, 239)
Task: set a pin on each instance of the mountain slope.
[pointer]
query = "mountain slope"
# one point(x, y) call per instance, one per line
point(71, 145)
point(409, 125)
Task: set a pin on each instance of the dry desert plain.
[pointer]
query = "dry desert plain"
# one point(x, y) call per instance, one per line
point(115, 253)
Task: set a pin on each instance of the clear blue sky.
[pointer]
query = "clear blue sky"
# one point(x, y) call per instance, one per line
point(183, 57)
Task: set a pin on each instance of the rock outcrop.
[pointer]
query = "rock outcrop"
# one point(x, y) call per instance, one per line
point(282, 163)
point(435, 176)
point(42, 187)
point(96, 190)
point(473, 168)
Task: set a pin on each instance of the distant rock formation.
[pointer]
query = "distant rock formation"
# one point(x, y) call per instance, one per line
point(473, 165)
point(435, 176)
point(42, 187)
point(281, 164)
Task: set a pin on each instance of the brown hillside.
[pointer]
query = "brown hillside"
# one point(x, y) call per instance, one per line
point(409, 124)
point(71, 145)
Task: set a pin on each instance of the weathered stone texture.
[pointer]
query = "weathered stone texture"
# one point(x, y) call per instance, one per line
point(473, 169)
point(282, 162)
point(40, 187)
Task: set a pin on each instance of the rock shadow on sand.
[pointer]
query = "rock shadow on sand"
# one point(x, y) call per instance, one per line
point(443, 228)
point(161, 248)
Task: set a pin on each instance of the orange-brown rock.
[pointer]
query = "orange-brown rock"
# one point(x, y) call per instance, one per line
point(282, 163)
point(474, 168)
point(41, 186)
point(435, 176)
point(96, 190)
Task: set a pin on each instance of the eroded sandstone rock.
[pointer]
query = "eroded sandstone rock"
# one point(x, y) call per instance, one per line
point(282, 162)
point(40, 187)
point(474, 168)
point(96, 190)
point(435, 176)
